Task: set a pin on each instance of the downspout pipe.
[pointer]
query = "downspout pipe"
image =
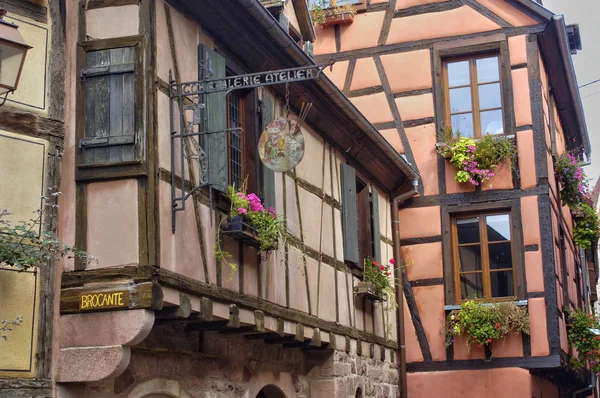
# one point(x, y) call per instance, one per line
point(398, 275)
point(591, 387)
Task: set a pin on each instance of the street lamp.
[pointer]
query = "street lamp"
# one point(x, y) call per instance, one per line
point(12, 56)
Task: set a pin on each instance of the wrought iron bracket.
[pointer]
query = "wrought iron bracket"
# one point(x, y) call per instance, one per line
point(190, 97)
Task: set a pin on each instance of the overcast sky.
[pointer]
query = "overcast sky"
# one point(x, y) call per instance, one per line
point(586, 13)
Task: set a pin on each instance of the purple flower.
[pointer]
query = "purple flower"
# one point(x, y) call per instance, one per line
point(253, 198)
point(272, 212)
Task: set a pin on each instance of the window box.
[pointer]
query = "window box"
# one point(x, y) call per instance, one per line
point(345, 17)
point(238, 229)
point(367, 290)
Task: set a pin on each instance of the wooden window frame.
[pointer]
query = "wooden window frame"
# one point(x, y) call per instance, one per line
point(137, 167)
point(474, 87)
point(494, 44)
point(449, 214)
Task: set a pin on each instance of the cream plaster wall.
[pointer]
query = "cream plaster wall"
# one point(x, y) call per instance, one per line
point(109, 22)
point(23, 166)
point(19, 292)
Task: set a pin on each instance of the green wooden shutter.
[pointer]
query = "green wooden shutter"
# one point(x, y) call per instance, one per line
point(349, 214)
point(268, 175)
point(109, 87)
point(284, 22)
point(376, 233)
point(216, 111)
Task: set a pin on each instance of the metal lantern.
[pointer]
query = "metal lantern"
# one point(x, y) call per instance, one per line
point(12, 55)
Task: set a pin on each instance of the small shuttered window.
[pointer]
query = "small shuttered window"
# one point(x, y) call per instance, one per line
point(109, 88)
point(349, 214)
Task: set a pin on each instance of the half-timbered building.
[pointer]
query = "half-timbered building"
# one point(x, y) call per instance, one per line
point(418, 67)
point(147, 165)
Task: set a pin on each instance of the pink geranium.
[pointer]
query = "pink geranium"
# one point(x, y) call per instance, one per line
point(392, 261)
point(241, 210)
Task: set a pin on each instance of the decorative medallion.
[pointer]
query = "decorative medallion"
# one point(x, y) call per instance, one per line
point(281, 145)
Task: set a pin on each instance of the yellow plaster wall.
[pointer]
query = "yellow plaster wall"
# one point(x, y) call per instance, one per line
point(22, 174)
point(18, 295)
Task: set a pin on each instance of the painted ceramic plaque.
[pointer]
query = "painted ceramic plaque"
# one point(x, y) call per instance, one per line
point(279, 148)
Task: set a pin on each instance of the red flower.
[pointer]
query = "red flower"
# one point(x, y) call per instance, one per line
point(375, 263)
point(584, 339)
point(392, 261)
point(489, 340)
point(498, 325)
point(382, 267)
point(388, 273)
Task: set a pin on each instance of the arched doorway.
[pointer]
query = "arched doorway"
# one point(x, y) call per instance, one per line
point(359, 393)
point(270, 391)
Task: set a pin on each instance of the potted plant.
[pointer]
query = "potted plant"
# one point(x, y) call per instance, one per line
point(251, 222)
point(476, 161)
point(483, 323)
point(331, 15)
point(581, 336)
point(575, 193)
point(377, 284)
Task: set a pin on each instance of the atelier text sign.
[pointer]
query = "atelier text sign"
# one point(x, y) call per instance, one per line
point(95, 301)
point(251, 80)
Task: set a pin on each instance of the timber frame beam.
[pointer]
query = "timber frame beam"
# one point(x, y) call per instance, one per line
point(209, 292)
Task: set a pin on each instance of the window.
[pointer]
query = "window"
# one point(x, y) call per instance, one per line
point(235, 122)
point(328, 3)
point(473, 97)
point(360, 219)
point(110, 98)
point(483, 256)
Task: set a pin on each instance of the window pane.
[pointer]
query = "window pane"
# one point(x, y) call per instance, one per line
point(460, 100)
point(487, 70)
point(500, 255)
point(468, 230)
point(489, 96)
point(458, 74)
point(502, 284)
point(463, 124)
point(471, 286)
point(470, 258)
point(491, 122)
point(498, 227)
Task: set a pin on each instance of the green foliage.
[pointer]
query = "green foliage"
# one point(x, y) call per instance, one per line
point(319, 11)
point(482, 324)
point(584, 340)
point(23, 245)
point(587, 226)
point(270, 228)
point(381, 276)
point(476, 161)
point(574, 185)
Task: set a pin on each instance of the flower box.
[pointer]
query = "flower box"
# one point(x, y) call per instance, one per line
point(237, 228)
point(367, 290)
point(345, 17)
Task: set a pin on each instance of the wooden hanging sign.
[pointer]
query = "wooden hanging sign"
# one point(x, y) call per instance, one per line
point(147, 295)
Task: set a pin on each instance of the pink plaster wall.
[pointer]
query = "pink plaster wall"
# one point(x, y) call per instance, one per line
point(534, 271)
point(525, 149)
point(411, 3)
point(423, 261)
point(375, 107)
point(541, 388)
point(452, 186)
point(393, 137)
point(422, 141)
point(408, 70)
point(365, 74)
point(493, 383)
point(509, 14)
point(509, 347)
point(362, 33)
point(415, 107)
point(530, 219)
point(517, 47)
point(539, 331)
point(430, 301)
point(325, 43)
point(413, 349)
point(462, 351)
point(460, 21)
point(522, 98)
point(502, 179)
point(418, 222)
point(338, 74)
point(112, 234)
